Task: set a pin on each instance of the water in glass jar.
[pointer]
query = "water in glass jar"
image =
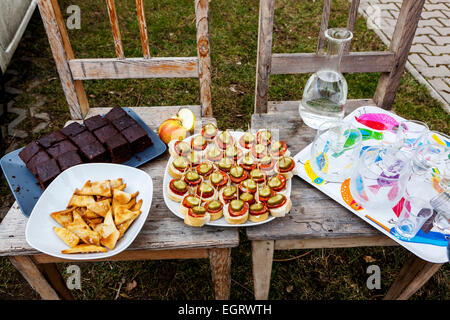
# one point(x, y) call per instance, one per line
point(324, 98)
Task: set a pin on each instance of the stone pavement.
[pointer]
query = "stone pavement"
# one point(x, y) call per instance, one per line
point(429, 58)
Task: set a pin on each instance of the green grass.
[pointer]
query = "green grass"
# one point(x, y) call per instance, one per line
point(297, 274)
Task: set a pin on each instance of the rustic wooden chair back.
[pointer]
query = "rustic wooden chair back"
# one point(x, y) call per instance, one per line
point(73, 71)
point(389, 63)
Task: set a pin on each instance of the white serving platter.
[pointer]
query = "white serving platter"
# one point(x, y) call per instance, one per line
point(174, 206)
point(39, 230)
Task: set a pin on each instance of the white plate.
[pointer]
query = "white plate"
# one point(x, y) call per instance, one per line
point(175, 206)
point(39, 231)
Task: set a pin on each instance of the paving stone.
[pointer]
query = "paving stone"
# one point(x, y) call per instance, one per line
point(432, 14)
point(426, 30)
point(434, 72)
point(440, 40)
point(436, 60)
point(12, 90)
point(424, 39)
point(435, 6)
point(443, 31)
point(438, 50)
point(416, 59)
point(419, 48)
point(430, 22)
point(41, 126)
point(439, 84)
point(42, 116)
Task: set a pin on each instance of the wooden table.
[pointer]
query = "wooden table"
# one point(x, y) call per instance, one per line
point(163, 236)
point(317, 221)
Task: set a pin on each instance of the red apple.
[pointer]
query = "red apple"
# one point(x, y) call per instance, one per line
point(171, 129)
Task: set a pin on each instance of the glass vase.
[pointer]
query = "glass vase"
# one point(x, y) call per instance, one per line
point(325, 93)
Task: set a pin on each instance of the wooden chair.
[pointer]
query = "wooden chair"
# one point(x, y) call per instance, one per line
point(315, 220)
point(73, 71)
point(164, 236)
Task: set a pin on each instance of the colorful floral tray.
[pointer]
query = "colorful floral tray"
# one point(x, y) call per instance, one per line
point(429, 244)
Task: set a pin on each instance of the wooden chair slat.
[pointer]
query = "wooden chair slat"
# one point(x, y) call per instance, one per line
point(74, 91)
point(324, 26)
point(352, 15)
point(143, 28)
point(264, 54)
point(113, 68)
point(203, 52)
point(113, 19)
point(357, 62)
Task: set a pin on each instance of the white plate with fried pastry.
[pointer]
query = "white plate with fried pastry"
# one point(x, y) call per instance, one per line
point(174, 204)
point(90, 211)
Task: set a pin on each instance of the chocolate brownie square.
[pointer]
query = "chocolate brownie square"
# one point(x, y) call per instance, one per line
point(72, 129)
point(105, 133)
point(46, 172)
point(137, 137)
point(29, 151)
point(115, 113)
point(68, 159)
point(60, 148)
point(123, 122)
point(50, 139)
point(84, 138)
point(94, 152)
point(95, 122)
point(119, 149)
point(39, 157)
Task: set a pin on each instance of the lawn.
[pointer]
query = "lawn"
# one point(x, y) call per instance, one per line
point(297, 274)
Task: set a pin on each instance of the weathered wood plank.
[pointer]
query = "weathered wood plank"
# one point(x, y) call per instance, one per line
point(55, 279)
point(413, 275)
point(75, 96)
point(262, 258)
point(400, 45)
point(79, 87)
point(324, 26)
point(112, 68)
point(264, 54)
point(143, 28)
point(114, 21)
point(135, 255)
point(220, 262)
point(204, 58)
point(292, 106)
point(347, 242)
point(355, 62)
point(352, 15)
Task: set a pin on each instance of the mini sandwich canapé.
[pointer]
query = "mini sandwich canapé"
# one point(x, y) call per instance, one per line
point(236, 212)
point(209, 131)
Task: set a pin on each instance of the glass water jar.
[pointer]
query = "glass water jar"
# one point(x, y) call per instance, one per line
point(325, 93)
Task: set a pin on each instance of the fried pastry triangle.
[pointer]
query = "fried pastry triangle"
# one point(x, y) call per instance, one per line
point(85, 248)
point(82, 230)
point(63, 217)
point(125, 225)
point(100, 207)
point(80, 201)
point(108, 232)
point(67, 236)
point(97, 188)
